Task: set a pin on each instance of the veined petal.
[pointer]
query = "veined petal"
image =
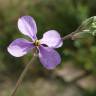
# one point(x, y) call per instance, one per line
point(52, 39)
point(20, 47)
point(49, 57)
point(27, 26)
point(60, 44)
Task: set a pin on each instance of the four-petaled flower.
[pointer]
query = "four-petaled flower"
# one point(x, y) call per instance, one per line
point(51, 39)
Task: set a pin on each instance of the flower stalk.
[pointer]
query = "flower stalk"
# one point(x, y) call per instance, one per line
point(22, 76)
point(69, 36)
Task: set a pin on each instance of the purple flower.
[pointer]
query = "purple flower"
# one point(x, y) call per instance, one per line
point(51, 39)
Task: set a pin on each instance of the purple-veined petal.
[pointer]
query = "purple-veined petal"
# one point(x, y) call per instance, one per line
point(49, 57)
point(27, 26)
point(60, 44)
point(52, 39)
point(20, 47)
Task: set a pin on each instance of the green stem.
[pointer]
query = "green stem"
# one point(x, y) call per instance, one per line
point(22, 76)
point(69, 36)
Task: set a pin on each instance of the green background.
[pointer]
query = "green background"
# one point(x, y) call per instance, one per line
point(62, 15)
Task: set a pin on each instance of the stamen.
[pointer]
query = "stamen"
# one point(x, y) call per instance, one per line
point(37, 42)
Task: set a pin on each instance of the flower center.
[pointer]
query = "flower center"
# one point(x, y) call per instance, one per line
point(36, 42)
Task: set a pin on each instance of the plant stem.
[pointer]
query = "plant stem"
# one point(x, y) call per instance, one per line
point(22, 76)
point(69, 36)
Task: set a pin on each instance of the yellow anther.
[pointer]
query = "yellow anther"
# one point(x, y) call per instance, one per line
point(37, 42)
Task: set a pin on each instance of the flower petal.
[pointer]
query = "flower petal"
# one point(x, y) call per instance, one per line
point(60, 44)
point(27, 26)
point(52, 39)
point(49, 57)
point(20, 47)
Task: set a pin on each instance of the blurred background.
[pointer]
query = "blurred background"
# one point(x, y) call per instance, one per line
point(76, 75)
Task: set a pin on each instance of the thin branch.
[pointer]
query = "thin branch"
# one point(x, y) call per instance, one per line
point(22, 76)
point(71, 35)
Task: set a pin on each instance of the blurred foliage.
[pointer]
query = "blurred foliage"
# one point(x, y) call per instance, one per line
point(62, 15)
point(65, 16)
